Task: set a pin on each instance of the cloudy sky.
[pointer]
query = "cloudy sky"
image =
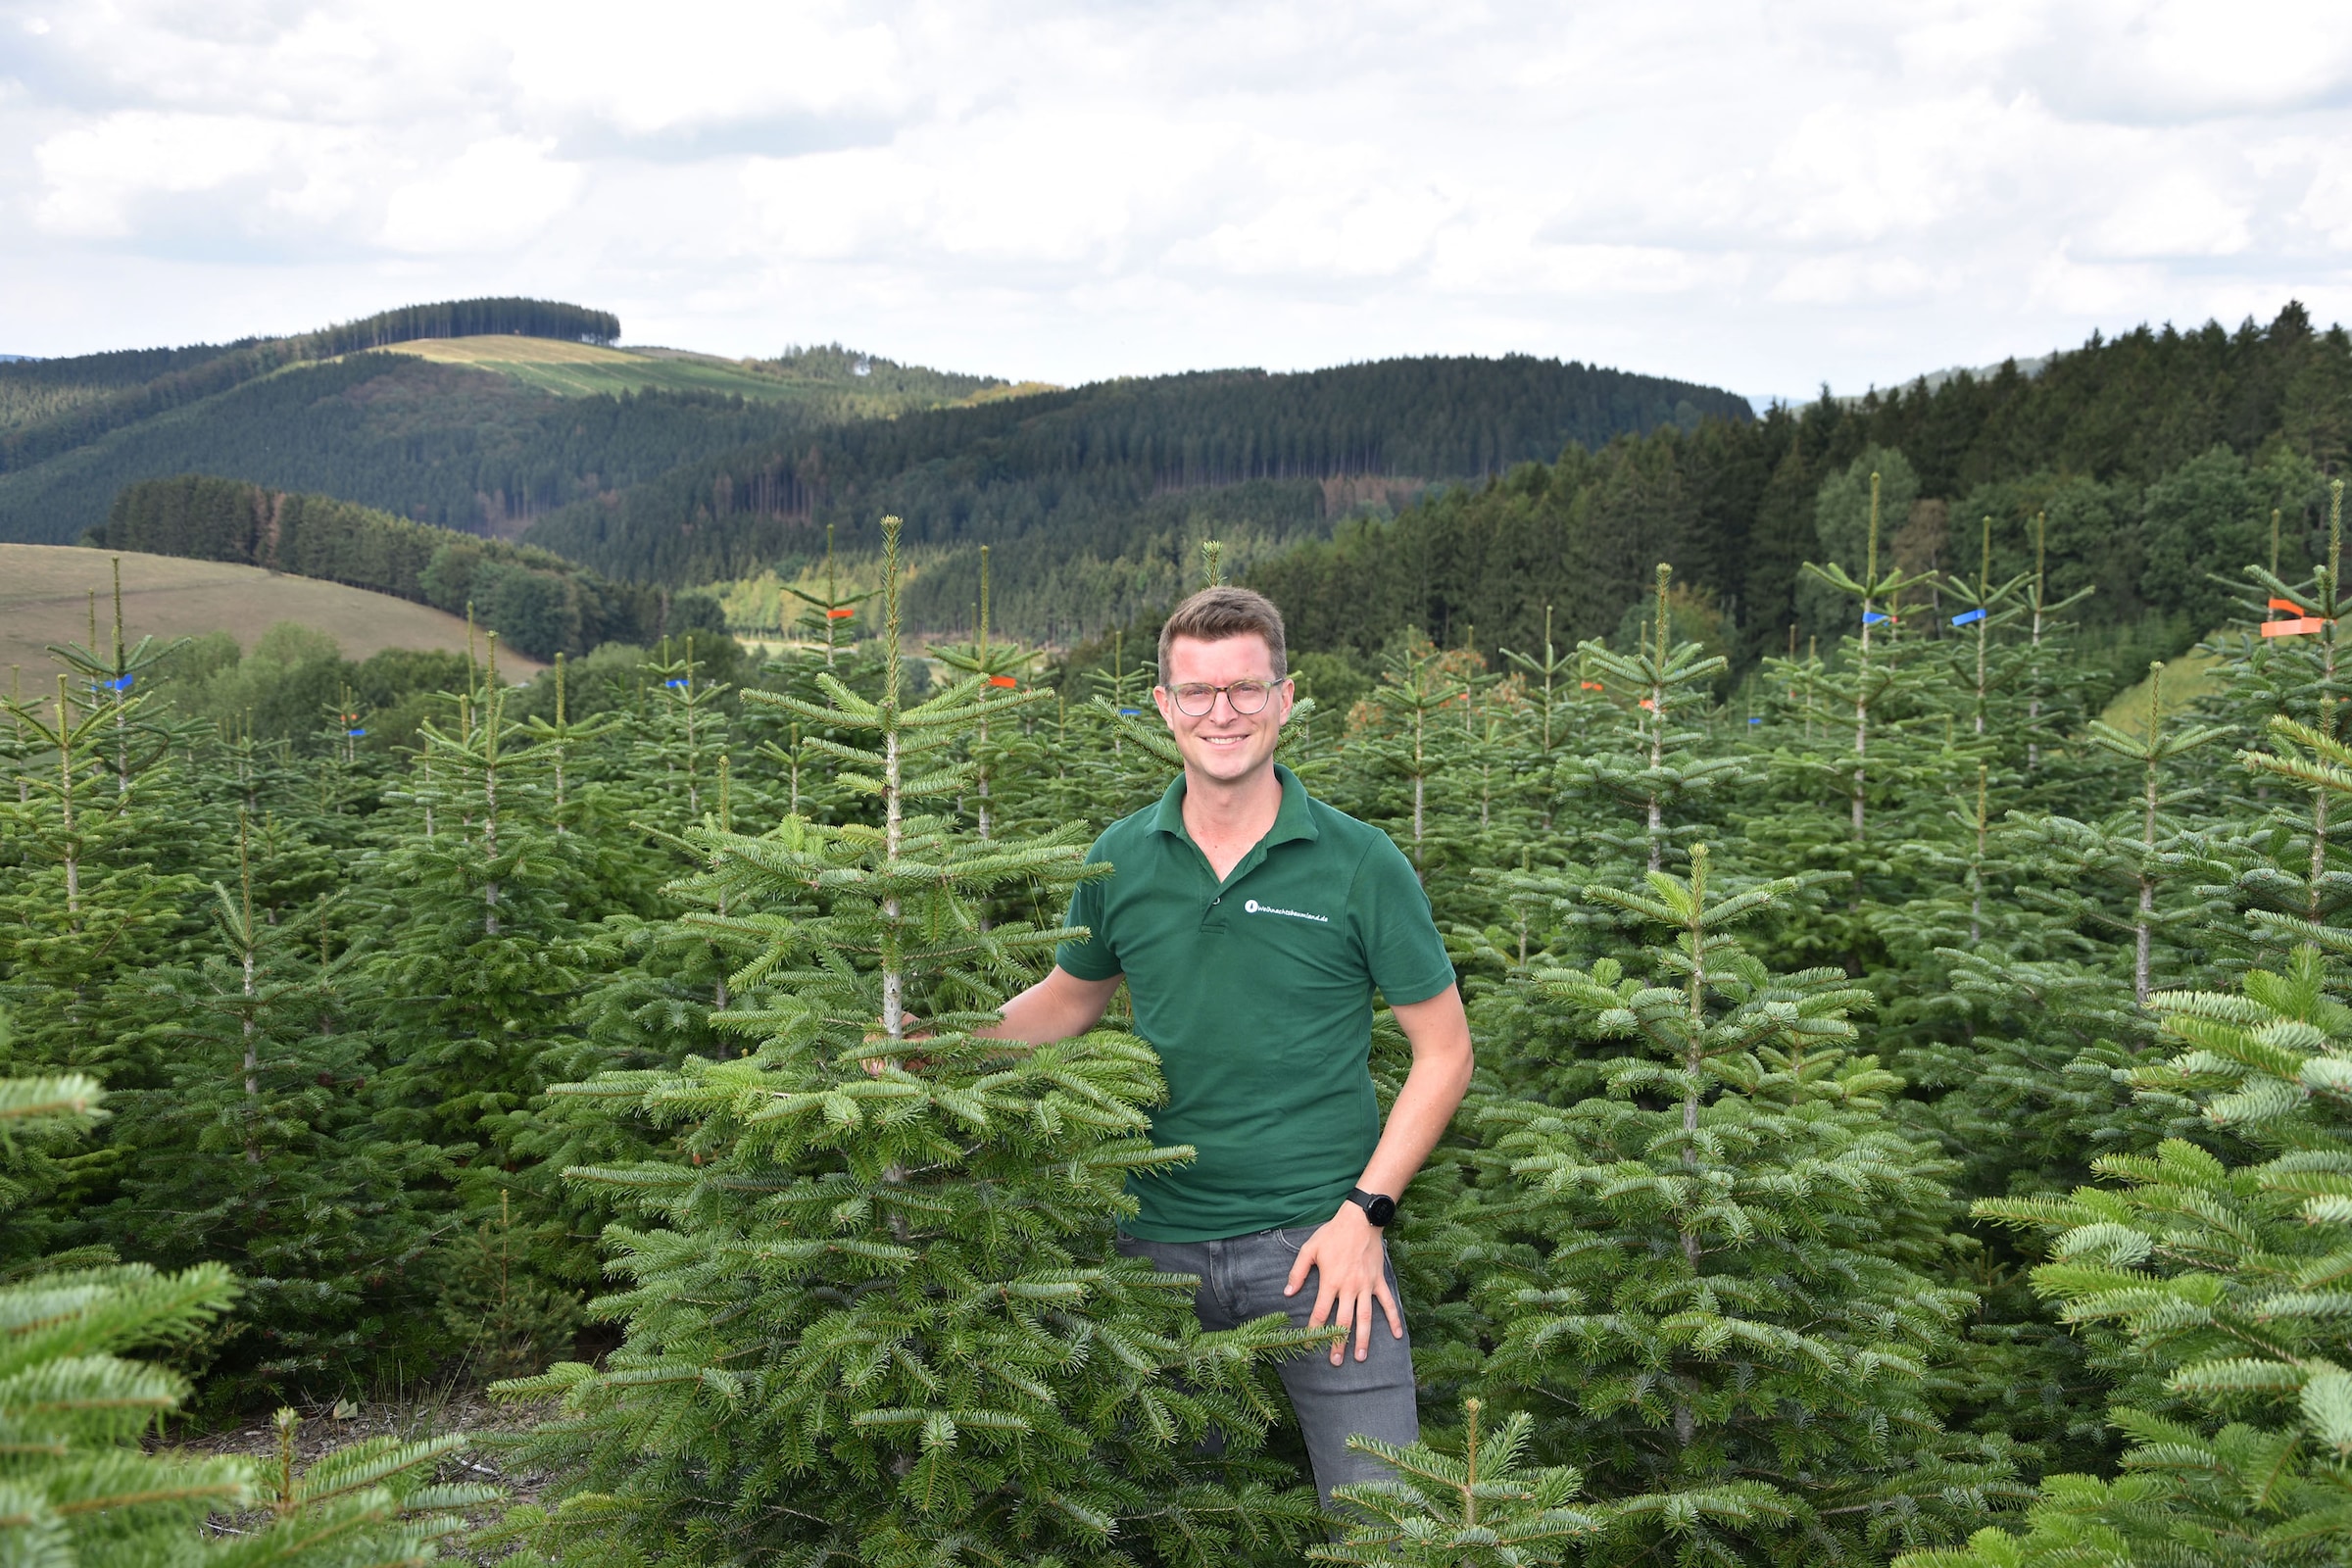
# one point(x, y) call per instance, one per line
point(1762, 196)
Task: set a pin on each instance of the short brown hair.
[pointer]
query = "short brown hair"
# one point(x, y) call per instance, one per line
point(1216, 613)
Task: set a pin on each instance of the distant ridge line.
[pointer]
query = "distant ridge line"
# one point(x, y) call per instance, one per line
point(244, 361)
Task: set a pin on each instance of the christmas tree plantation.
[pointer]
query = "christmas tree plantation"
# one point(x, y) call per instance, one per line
point(1906, 1125)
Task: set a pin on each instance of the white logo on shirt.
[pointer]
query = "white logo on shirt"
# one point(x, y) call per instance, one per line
point(1254, 908)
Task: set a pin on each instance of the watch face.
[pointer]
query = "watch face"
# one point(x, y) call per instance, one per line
point(1381, 1211)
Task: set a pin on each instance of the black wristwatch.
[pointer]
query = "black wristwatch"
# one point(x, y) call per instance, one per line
point(1378, 1207)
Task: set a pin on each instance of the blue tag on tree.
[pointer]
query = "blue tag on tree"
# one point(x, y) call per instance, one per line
point(673, 683)
point(1969, 619)
point(1872, 617)
point(1131, 713)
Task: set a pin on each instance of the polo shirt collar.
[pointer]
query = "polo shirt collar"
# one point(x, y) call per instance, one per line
point(1291, 820)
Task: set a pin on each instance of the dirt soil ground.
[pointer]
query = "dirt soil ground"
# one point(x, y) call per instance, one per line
point(330, 1426)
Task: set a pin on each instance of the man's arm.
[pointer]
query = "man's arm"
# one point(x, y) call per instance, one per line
point(1055, 1009)
point(1347, 1249)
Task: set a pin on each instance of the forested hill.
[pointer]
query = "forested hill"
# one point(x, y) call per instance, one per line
point(1095, 496)
point(2156, 458)
point(51, 405)
point(540, 602)
point(475, 414)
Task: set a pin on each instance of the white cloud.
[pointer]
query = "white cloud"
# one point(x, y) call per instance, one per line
point(493, 195)
point(1762, 193)
point(100, 172)
point(2177, 213)
point(652, 69)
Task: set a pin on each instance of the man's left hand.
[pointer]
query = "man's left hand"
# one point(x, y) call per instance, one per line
point(1350, 1258)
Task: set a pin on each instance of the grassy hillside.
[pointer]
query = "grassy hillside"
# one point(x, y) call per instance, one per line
point(842, 383)
point(45, 597)
point(587, 369)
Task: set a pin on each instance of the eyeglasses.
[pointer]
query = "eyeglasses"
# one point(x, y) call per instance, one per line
point(1197, 699)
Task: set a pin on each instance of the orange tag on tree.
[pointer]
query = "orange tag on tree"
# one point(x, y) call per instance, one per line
point(838, 614)
point(1591, 685)
point(2292, 628)
point(2287, 604)
point(1647, 703)
point(1001, 680)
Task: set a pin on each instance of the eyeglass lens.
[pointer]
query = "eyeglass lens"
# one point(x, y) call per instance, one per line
point(1248, 697)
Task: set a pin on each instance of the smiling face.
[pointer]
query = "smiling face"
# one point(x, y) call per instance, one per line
point(1222, 745)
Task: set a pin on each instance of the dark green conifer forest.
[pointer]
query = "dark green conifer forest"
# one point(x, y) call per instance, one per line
point(540, 601)
point(1913, 1120)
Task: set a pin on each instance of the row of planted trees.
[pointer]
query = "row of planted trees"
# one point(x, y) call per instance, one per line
point(1909, 1116)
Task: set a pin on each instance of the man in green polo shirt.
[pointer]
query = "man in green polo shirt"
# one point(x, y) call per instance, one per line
point(1251, 925)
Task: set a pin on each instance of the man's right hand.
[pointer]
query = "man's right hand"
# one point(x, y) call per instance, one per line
point(910, 1028)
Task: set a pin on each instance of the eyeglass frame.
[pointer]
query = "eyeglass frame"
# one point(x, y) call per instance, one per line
point(1225, 691)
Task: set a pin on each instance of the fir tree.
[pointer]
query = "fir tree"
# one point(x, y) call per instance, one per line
point(1720, 1315)
point(84, 905)
point(258, 1151)
point(472, 980)
point(1487, 1508)
point(2225, 1279)
point(1407, 749)
point(2139, 853)
point(78, 1490)
point(826, 617)
point(1656, 766)
point(877, 1317)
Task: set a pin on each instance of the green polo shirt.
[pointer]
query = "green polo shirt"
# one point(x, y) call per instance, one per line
point(1256, 992)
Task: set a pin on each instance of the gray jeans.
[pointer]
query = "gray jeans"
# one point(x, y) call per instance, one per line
point(1241, 1278)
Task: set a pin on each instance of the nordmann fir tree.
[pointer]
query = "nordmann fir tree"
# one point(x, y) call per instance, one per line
point(78, 1489)
point(2225, 1277)
point(2139, 853)
point(473, 977)
point(1986, 668)
point(2013, 1028)
point(1720, 1308)
point(669, 978)
point(257, 1151)
point(1122, 760)
point(111, 671)
point(1870, 684)
point(1557, 717)
point(2051, 683)
point(2294, 865)
point(40, 1121)
point(826, 618)
point(1002, 665)
point(1406, 750)
point(84, 907)
point(1484, 1508)
point(876, 1316)
point(1814, 815)
point(1656, 765)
